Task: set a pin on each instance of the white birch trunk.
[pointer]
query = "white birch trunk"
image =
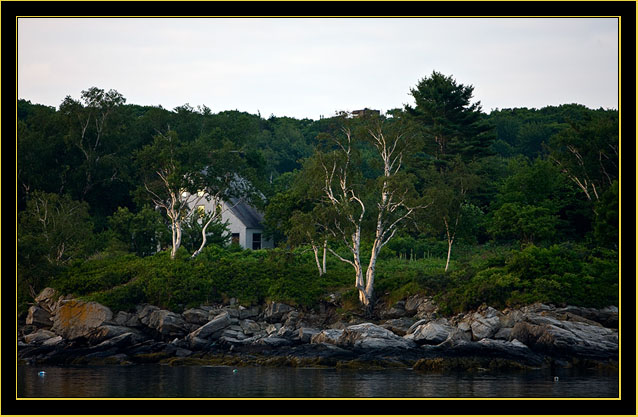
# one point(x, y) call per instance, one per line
point(325, 246)
point(315, 249)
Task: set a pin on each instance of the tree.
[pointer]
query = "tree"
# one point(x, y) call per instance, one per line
point(142, 233)
point(587, 152)
point(386, 201)
point(88, 125)
point(449, 190)
point(170, 180)
point(52, 231)
point(450, 124)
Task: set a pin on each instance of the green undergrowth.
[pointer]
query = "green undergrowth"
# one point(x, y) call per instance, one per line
point(497, 276)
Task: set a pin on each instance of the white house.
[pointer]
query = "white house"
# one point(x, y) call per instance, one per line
point(245, 223)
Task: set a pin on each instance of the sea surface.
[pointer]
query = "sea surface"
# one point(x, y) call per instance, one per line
point(159, 381)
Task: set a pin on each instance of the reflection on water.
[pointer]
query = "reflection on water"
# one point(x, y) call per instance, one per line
point(199, 381)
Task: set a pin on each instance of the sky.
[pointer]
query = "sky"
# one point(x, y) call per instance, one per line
point(308, 68)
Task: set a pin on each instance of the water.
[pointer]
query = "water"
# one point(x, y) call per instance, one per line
point(139, 381)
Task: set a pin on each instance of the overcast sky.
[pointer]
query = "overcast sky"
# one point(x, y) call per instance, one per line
point(311, 67)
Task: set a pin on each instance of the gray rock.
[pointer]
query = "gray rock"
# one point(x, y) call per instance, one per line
point(196, 316)
point(53, 341)
point(122, 318)
point(40, 317)
point(305, 334)
point(250, 327)
point(167, 323)
point(273, 328)
point(75, 319)
point(568, 338)
point(414, 326)
point(396, 311)
point(371, 336)
point(123, 340)
point(457, 337)
point(287, 332)
point(273, 341)
point(432, 333)
point(144, 313)
point(107, 331)
point(250, 312)
point(275, 312)
point(399, 326)
point(39, 336)
point(213, 328)
point(327, 336)
point(485, 327)
point(412, 303)
point(503, 333)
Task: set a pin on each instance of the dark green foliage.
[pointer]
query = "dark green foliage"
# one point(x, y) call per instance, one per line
point(531, 166)
point(561, 274)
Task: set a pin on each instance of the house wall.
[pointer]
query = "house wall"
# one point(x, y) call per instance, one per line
point(236, 226)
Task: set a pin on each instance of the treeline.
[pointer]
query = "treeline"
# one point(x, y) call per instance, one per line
point(98, 177)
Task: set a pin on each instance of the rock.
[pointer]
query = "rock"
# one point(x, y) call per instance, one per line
point(196, 316)
point(399, 326)
point(197, 343)
point(107, 331)
point(292, 319)
point(120, 341)
point(412, 304)
point(305, 334)
point(53, 341)
point(327, 336)
point(511, 317)
point(122, 318)
point(275, 312)
point(371, 336)
point(396, 311)
point(39, 336)
point(568, 339)
point(273, 328)
point(167, 323)
point(485, 323)
point(456, 337)
point(426, 308)
point(251, 312)
point(273, 341)
point(75, 319)
point(503, 333)
point(250, 327)
point(213, 328)
point(144, 313)
point(286, 332)
point(47, 299)
point(40, 317)
point(432, 333)
point(414, 326)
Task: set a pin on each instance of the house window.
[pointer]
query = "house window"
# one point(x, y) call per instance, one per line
point(256, 241)
point(234, 239)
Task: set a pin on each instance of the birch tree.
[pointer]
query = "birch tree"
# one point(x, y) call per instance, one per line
point(375, 208)
point(169, 181)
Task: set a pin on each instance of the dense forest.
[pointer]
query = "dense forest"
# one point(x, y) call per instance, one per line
point(438, 197)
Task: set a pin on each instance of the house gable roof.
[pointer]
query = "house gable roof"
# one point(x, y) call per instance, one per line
point(248, 215)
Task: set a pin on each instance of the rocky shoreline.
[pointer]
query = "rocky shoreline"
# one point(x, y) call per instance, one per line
point(61, 330)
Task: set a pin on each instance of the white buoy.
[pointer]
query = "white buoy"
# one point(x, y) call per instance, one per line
point(555, 379)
